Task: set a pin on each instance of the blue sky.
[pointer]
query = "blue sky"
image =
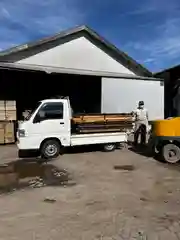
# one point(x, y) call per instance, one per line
point(147, 30)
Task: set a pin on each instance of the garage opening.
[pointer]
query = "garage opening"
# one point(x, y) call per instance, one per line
point(29, 87)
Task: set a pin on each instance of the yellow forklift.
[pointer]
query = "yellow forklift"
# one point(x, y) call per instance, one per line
point(165, 134)
point(165, 139)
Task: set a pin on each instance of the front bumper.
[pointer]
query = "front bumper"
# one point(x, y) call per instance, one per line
point(25, 150)
point(24, 143)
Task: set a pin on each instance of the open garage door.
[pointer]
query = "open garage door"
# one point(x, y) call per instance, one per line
point(29, 87)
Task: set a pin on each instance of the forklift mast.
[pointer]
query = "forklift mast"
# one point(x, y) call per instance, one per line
point(176, 98)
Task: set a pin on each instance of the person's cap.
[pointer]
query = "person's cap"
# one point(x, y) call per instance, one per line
point(141, 103)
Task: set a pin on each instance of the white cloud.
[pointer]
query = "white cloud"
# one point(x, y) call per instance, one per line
point(162, 47)
point(149, 60)
point(26, 20)
point(154, 6)
point(5, 12)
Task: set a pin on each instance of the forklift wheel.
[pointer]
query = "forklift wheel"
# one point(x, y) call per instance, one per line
point(171, 153)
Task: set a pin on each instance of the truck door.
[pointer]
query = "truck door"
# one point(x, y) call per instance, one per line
point(52, 121)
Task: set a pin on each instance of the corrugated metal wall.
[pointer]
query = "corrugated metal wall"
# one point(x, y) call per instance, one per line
point(122, 95)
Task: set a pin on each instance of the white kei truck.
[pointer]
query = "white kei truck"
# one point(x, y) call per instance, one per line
point(48, 129)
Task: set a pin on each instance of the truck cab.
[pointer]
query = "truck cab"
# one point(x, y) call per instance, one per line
point(49, 121)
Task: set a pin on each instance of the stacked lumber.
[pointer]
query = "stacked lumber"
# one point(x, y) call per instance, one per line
point(92, 123)
point(101, 118)
point(7, 134)
point(7, 110)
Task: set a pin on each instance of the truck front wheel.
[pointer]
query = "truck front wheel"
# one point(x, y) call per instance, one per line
point(171, 153)
point(50, 149)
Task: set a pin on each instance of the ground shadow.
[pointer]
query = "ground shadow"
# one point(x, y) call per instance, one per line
point(87, 149)
point(82, 149)
point(141, 150)
point(145, 151)
point(174, 167)
point(124, 167)
point(30, 173)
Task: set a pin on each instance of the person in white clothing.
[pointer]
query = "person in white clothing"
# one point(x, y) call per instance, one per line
point(141, 123)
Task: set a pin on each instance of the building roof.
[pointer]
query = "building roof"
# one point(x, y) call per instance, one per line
point(50, 70)
point(26, 50)
point(168, 70)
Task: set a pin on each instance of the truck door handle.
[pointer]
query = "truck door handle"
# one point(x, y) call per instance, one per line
point(61, 123)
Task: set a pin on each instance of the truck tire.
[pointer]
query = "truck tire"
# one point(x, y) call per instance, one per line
point(171, 153)
point(50, 149)
point(109, 147)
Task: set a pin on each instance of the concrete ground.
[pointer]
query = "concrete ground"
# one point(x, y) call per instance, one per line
point(106, 203)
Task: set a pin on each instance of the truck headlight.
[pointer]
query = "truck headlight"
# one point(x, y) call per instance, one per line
point(21, 133)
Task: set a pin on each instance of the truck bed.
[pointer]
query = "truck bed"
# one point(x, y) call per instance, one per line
point(98, 138)
point(101, 123)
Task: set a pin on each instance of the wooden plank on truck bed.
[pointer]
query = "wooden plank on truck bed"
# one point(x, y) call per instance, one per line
point(104, 118)
point(103, 130)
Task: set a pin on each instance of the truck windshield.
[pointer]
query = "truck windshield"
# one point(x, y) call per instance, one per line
point(32, 112)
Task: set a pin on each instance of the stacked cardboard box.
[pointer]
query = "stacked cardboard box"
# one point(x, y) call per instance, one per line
point(7, 118)
point(7, 134)
point(7, 110)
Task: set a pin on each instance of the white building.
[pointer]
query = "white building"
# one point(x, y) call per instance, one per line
point(79, 63)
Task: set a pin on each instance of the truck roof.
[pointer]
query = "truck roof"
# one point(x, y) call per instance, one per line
point(53, 100)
